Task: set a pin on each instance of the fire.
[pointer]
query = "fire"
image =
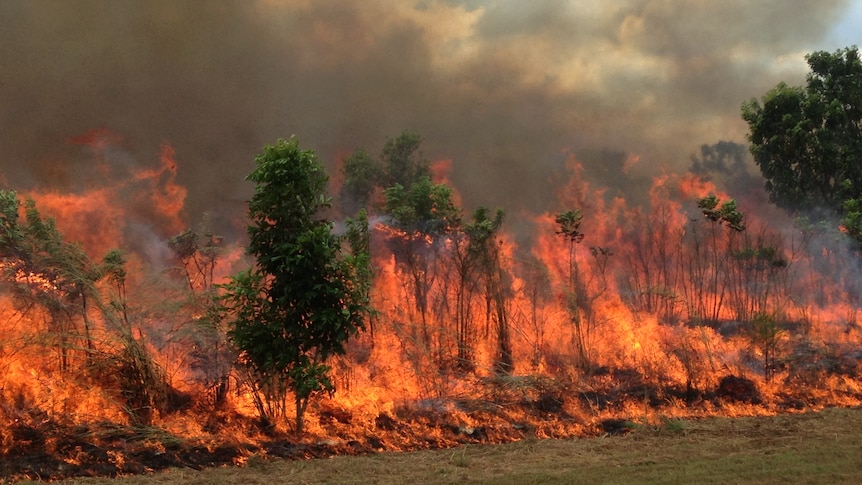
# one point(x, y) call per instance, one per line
point(100, 217)
point(649, 313)
point(93, 218)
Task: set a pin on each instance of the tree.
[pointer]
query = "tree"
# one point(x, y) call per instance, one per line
point(361, 174)
point(477, 267)
point(197, 251)
point(765, 335)
point(709, 260)
point(400, 162)
point(537, 287)
point(357, 238)
point(299, 304)
point(569, 229)
point(807, 140)
point(485, 249)
point(44, 269)
point(420, 215)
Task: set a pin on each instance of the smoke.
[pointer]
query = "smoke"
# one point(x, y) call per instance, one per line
point(505, 89)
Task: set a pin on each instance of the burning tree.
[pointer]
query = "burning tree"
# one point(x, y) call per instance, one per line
point(197, 251)
point(421, 216)
point(45, 271)
point(653, 272)
point(710, 261)
point(299, 304)
point(765, 335)
point(485, 251)
point(569, 229)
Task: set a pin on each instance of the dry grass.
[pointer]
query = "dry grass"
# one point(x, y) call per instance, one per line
point(824, 447)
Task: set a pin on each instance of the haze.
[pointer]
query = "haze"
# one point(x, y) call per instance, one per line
point(506, 90)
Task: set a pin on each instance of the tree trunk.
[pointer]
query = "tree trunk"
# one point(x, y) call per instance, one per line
point(301, 404)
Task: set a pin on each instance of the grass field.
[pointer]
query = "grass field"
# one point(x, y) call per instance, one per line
point(824, 447)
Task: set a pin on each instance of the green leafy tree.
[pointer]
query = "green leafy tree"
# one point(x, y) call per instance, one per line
point(358, 242)
point(726, 214)
point(299, 304)
point(807, 140)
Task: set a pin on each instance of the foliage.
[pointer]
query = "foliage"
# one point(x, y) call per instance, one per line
point(358, 239)
point(420, 215)
point(299, 304)
point(765, 335)
point(569, 229)
point(723, 158)
point(807, 139)
point(484, 251)
point(569, 223)
point(399, 164)
point(197, 252)
point(424, 208)
point(46, 270)
point(726, 214)
point(361, 175)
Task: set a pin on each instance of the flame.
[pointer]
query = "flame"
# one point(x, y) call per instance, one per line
point(653, 310)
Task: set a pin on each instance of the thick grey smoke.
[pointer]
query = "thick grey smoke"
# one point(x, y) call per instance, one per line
point(502, 88)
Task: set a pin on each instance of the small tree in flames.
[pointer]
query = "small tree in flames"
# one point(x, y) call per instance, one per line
point(299, 304)
point(569, 228)
point(765, 335)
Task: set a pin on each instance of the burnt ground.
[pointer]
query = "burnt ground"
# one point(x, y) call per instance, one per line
point(49, 450)
point(36, 447)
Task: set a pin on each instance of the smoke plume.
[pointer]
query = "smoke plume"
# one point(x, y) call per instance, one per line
point(506, 90)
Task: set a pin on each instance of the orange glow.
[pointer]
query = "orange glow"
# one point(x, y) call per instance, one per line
point(166, 197)
point(645, 316)
point(93, 219)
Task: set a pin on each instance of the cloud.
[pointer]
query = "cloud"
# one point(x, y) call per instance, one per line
point(503, 88)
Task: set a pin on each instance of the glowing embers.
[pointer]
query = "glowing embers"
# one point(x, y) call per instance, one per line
point(36, 281)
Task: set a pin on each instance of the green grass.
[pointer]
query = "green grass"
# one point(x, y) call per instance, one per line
point(823, 447)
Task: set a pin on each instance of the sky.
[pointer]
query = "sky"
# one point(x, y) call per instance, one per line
point(506, 90)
